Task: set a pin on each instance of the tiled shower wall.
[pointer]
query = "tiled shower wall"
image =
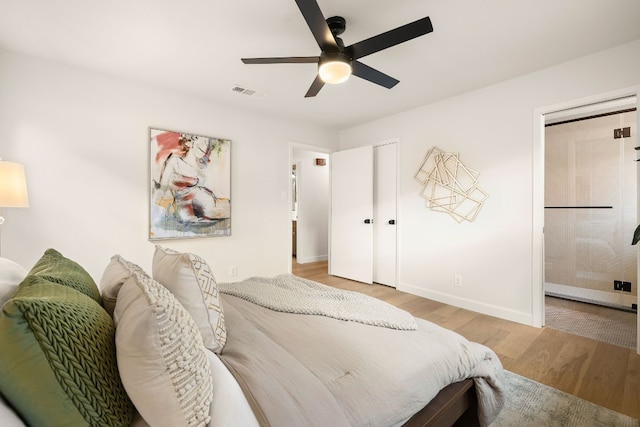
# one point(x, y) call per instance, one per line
point(587, 244)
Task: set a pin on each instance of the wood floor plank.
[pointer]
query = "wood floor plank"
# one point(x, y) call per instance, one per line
point(540, 353)
point(630, 399)
point(602, 373)
point(519, 339)
point(420, 308)
point(482, 330)
point(568, 367)
point(606, 383)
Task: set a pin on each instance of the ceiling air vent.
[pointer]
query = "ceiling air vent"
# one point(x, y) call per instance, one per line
point(246, 91)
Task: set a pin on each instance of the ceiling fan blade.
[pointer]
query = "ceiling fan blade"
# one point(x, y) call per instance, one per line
point(317, 24)
point(374, 76)
point(315, 87)
point(283, 60)
point(390, 38)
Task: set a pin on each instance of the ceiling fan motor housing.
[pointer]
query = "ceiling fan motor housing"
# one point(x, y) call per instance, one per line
point(337, 25)
point(334, 56)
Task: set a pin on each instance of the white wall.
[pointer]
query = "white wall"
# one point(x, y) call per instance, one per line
point(493, 130)
point(313, 205)
point(83, 139)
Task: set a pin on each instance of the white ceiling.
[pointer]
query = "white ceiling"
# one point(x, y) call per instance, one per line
point(196, 46)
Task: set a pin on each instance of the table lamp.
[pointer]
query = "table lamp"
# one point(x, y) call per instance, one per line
point(13, 187)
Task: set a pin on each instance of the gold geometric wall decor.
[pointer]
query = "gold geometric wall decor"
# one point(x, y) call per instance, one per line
point(449, 186)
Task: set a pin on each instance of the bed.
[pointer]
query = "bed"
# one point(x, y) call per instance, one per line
point(280, 351)
point(363, 363)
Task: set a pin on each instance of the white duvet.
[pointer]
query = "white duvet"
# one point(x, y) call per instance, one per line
point(317, 371)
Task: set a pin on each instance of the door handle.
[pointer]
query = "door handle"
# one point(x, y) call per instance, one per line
point(392, 222)
point(368, 221)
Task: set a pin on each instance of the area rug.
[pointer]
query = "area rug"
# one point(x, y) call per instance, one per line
point(530, 403)
point(588, 325)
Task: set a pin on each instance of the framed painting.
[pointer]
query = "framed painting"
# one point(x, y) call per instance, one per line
point(190, 185)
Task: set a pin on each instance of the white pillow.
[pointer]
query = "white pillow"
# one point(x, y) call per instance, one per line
point(8, 417)
point(230, 406)
point(190, 279)
point(11, 274)
point(113, 277)
point(161, 358)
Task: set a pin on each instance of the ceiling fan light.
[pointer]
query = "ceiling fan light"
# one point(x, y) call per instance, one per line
point(334, 71)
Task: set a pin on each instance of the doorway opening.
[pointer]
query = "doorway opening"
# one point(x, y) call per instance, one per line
point(590, 213)
point(309, 200)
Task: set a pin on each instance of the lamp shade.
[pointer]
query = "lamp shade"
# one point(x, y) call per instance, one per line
point(13, 186)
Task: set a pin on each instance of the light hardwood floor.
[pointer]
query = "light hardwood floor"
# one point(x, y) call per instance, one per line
point(601, 373)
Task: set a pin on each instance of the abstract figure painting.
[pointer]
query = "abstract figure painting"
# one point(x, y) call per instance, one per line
point(190, 192)
point(449, 186)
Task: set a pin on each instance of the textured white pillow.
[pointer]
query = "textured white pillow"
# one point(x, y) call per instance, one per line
point(11, 274)
point(190, 279)
point(161, 357)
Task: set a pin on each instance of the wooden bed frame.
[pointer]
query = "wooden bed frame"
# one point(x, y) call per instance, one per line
point(455, 405)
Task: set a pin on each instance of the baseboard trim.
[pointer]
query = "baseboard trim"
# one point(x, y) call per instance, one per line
point(467, 304)
point(307, 260)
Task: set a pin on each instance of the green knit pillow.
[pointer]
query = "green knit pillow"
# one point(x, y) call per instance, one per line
point(58, 358)
point(54, 267)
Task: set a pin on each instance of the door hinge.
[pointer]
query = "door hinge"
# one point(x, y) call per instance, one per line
point(622, 133)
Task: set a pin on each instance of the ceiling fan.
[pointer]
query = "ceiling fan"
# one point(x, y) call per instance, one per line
point(337, 61)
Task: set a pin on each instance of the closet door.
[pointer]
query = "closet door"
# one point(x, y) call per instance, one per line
point(351, 236)
point(384, 213)
point(363, 214)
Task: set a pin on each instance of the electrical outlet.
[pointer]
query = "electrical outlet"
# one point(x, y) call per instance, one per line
point(457, 281)
point(233, 271)
point(626, 286)
point(617, 285)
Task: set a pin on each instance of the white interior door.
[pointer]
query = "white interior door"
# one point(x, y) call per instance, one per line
point(351, 247)
point(384, 207)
